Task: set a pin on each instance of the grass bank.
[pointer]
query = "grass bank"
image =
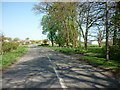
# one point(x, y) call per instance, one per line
point(10, 57)
point(93, 56)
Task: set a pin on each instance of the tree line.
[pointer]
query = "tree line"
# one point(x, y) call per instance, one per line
point(65, 23)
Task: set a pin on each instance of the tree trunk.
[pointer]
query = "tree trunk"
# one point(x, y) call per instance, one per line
point(118, 5)
point(52, 38)
point(107, 43)
point(86, 33)
point(59, 44)
point(99, 43)
point(85, 40)
point(52, 43)
point(115, 37)
point(85, 43)
point(67, 34)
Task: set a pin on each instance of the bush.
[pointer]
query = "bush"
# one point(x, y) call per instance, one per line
point(10, 57)
point(114, 52)
point(45, 41)
point(43, 45)
point(93, 46)
point(8, 46)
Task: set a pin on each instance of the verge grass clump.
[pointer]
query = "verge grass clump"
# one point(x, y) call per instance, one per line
point(10, 57)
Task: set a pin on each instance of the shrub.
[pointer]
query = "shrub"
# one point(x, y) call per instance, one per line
point(45, 41)
point(93, 46)
point(44, 45)
point(114, 52)
point(10, 57)
point(8, 46)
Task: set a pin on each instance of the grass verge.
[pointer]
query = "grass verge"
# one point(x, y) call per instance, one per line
point(93, 56)
point(10, 57)
point(96, 61)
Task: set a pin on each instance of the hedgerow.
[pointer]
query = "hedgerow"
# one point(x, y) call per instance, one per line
point(9, 46)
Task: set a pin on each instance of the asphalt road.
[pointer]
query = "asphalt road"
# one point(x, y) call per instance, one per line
point(46, 68)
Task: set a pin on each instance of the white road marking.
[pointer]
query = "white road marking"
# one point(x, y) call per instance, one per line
point(60, 79)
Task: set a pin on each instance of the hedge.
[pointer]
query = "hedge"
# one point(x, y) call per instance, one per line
point(9, 46)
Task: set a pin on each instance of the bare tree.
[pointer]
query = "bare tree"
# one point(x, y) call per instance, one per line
point(100, 35)
point(88, 14)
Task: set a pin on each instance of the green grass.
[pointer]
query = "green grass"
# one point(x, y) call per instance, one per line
point(111, 64)
point(68, 50)
point(93, 55)
point(97, 51)
point(10, 57)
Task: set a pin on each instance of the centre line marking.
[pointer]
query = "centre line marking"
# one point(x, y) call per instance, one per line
point(60, 79)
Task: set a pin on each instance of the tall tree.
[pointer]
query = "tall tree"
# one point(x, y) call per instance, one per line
point(16, 39)
point(62, 17)
point(27, 38)
point(48, 28)
point(100, 35)
point(88, 14)
point(114, 21)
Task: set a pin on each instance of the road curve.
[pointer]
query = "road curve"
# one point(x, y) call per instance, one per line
point(46, 68)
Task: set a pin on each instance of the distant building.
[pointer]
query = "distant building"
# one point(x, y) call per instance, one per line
point(93, 42)
point(49, 42)
point(27, 41)
point(40, 42)
point(6, 41)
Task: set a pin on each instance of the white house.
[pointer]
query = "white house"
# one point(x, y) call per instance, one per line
point(27, 41)
point(6, 41)
point(92, 42)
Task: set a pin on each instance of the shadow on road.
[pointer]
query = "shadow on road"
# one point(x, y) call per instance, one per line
point(35, 73)
point(79, 75)
point(38, 73)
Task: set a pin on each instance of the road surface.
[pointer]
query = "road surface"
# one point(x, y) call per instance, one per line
point(45, 68)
